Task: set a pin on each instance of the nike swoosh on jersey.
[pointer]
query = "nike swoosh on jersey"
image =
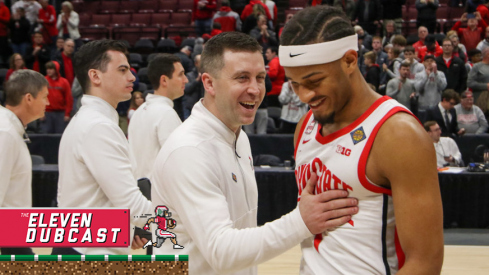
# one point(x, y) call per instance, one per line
point(306, 141)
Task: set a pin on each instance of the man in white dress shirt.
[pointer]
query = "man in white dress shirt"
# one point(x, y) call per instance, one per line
point(155, 120)
point(95, 167)
point(27, 97)
point(447, 153)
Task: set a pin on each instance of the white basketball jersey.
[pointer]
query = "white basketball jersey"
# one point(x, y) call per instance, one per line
point(368, 244)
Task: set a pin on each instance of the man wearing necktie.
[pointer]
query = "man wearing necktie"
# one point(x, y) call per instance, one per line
point(444, 114)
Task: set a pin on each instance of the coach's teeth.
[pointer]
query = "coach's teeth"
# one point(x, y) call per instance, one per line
point(248, 103)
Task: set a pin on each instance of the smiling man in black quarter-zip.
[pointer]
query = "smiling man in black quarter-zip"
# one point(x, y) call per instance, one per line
point(203, 172)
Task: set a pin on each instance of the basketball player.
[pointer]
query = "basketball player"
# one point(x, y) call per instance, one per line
point(357, 140)
point(204, 172)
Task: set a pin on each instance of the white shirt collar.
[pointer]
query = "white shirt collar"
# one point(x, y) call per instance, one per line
point(151, 98)
point(19, 128)
point(200, 112)
point(98, 104)
point(442, 110)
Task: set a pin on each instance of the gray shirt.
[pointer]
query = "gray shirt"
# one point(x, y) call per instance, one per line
point(478, 77)
point(401, 94)
point(472, 120)
point(429, 88)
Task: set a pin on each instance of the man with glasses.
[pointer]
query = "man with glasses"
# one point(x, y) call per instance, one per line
point(447, 153)
point(444, 114)
point(453, 67)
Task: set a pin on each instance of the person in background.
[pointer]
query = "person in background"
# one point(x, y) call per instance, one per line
point(475, 56)
point(272, 8)
point(60, 101)
point(202, 15)
point(65, 60)
point(47, 19)
point(458, 48)
point(368, 14)
point(364, 36)
point(293, 109)
point(27, 98)
point(444, 114)
point(194, 90)
point(58, 49)
point(381, 57)
point(277, 76)
point(137, 100)
point(478, 79)
point(31, 8)
point(484, 42)
point(19, 32)
point(373, 70)
point(393, 13)
point(392, 70)
point(400, 43)
point(401, 88)
point(429, 84)
point(67, 24)
point(469, 116)
point(4, 19)
point(228, 19)
point(453, 68)
point(38, 54)
point(416, 67)
point(263, 34)
point(422, 34)
point(389, 33)
point(427, 14)
point(447, 152)
point(16, 63)
point(431, 47)
point(474, 32)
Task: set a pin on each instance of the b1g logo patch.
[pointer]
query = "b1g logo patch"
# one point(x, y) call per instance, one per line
point(357, 135)
point(310, 127)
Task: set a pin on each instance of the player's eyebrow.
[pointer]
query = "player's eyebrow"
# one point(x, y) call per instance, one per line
point(311, 74)
point(124, 66)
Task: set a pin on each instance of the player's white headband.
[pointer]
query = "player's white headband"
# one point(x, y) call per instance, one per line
point(319, 53)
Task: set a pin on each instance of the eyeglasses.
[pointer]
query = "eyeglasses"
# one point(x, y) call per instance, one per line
point(447, 45)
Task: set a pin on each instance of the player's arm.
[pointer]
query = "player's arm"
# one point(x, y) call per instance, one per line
point(403, 155)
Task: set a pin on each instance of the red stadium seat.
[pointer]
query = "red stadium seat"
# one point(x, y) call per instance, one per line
point(90, 7)
point(181, 18)
point(148, 5)
point(130, 34)
point(85, 19)
point(412, 14)
point(185, 4)
point(442, 12)
point(168, 5)
point(121, 19)
point(94, 33)
point(140, 19)
point(109, 7)
point(297, 3)
point(161, 20)
point(101, 19)
point(456, 13)
point(129, 6)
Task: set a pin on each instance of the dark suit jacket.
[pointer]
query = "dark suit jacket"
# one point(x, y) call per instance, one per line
point(434, 114)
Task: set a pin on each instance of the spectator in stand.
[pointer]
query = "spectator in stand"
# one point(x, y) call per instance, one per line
point(415, 67)
point(184, 55)
point(293, 109)
point(447, 152)
point(475, 56)
point(194, 89)
point(382, 57)
point(431, 47)
point(392, 68)
point(67, 24)
point(427, 14)
point(393, 12)
point(389, 32)
point(287, 18)
point(478, 79)
point(400, 43)
point(216, 29)
point(16, 63)
point(19, 32)
point(429, 84)
point(249, 9)
point(265, 36)
point(469, 116)
point(60, 43)
point(60, 101)
point(484, 42)
point(422, 34)
point(31, 8)
point(364, 36)
point(202, 15)
point(37, 54)
point(4, 20)
point(361, 51)
point(474, 32)
point(250, 22)
point(483, 9)
point(277, 76)
point(65, 60)
point(458, 49)
point(368, 13)
point(453, 68)
point(272, 8)
point(260, 123)
point(137, 100)
point(348, 6)
point(47, 19)
point(373, 70)
point(401, 88)
point(444, 114)
point(472, 5)
point(228, 19)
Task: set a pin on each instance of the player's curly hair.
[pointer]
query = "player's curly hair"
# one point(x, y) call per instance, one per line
point(315, 25)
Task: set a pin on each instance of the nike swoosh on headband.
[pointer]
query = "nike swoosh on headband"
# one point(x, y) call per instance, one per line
point(294, 55)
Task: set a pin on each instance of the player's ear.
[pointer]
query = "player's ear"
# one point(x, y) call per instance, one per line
point(349, 61)
point(208, 82)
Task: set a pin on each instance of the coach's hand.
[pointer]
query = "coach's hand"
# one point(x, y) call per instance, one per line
point(327, 210)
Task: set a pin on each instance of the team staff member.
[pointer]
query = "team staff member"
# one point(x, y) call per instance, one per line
point(204, 173)
point(367, 144)
point(95, 168)
point(155, 120)
point(27, 98)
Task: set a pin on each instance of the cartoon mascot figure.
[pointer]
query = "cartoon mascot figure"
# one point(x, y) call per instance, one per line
point(164, 223)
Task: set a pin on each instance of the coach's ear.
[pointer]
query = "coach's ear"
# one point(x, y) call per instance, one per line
point(208, 82)
point(350, 60)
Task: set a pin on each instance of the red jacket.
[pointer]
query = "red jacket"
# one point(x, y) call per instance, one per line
point(277, 76)
point(423, 51)
point(248, 9)
point(4, 19)
point(484, 11)
point(48, 15)
point(206, 12)
point(60, 98)
point(420, 44)
point(468, 37)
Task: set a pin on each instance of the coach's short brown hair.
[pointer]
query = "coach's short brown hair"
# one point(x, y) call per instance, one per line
point(23, 82)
